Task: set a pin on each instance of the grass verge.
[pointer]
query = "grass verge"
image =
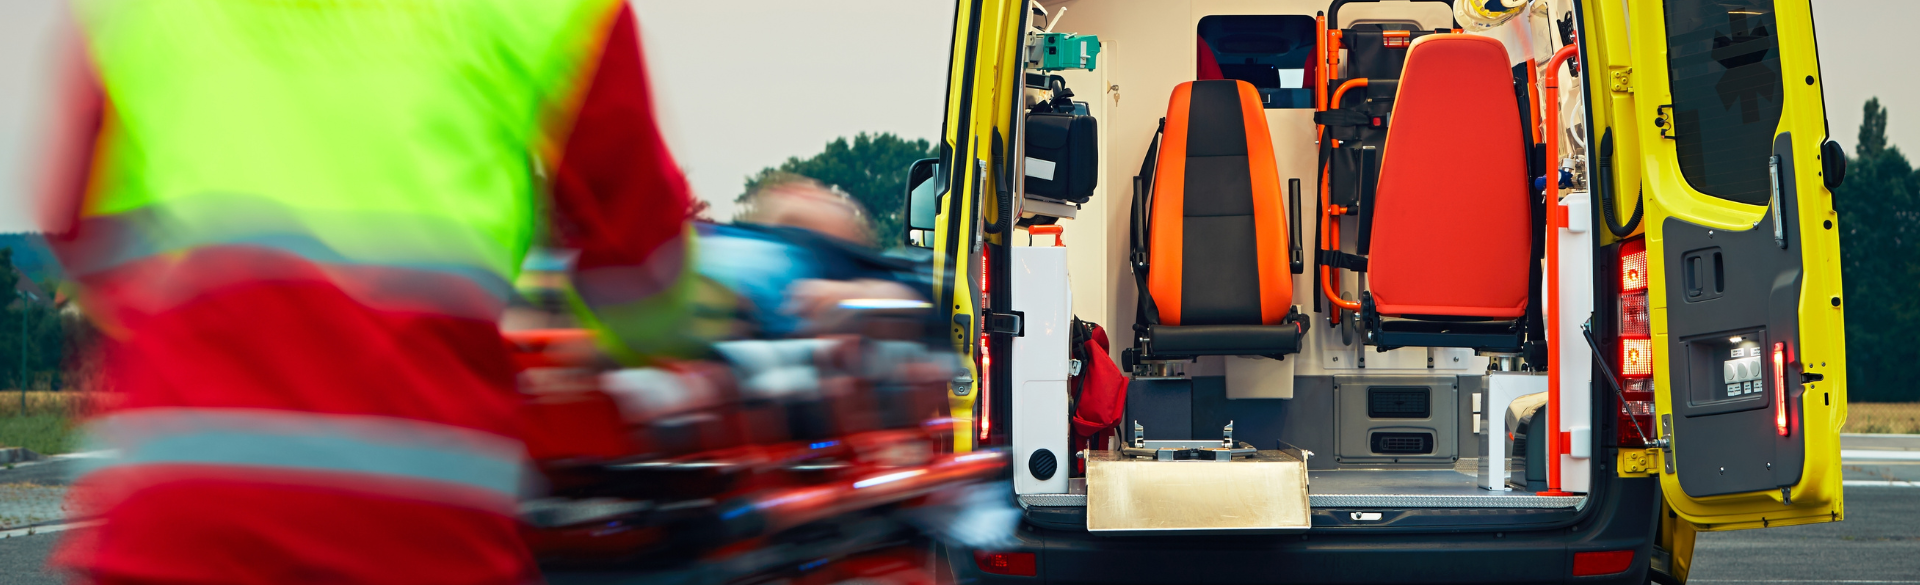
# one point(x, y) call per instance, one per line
point(46, 424)
point(46, 434)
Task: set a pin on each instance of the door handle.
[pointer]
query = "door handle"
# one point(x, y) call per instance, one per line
point(1693, 277)
point(1779, 226)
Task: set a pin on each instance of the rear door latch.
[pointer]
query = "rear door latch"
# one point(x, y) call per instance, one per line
point(1011, 323)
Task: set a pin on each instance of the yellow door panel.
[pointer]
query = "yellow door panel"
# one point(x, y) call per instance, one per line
point(982, 92)
point(1719, 103)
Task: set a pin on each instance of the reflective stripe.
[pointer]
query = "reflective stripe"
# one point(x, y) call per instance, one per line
point(384, 446)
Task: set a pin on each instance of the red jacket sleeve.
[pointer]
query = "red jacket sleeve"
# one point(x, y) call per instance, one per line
point(619, 199)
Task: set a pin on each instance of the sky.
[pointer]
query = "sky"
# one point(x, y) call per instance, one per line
point(744, 84)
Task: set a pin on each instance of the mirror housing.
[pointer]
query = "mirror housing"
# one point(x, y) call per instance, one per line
point(924, 189)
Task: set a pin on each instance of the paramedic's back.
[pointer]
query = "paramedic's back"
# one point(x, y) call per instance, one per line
point(297, 222)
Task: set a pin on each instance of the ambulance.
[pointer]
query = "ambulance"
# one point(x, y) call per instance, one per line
point(1470, 291)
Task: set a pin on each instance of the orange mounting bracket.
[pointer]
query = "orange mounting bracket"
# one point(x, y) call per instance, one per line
point(1049, 230)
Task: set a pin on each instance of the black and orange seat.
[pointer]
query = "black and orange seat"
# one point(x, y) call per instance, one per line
point(1210, 239)
point(1452, 217)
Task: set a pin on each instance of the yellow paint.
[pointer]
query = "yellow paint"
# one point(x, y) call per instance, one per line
point(1644, 158)
point(989, 90)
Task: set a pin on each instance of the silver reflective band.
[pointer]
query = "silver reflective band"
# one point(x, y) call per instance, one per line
point(385, 446)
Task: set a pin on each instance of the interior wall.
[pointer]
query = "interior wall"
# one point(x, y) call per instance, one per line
point(1142, 63)
point(1142, 58)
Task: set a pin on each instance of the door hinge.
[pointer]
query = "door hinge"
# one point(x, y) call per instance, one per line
point(1011, 323)
point(1640, 461)
point(1623, 79)
point(1666, 442)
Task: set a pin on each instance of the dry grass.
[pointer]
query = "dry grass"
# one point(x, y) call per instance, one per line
point(46, 426)
point(1883, 417)
point(71, 404)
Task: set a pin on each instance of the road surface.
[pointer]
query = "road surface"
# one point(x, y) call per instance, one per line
point(1878, 544)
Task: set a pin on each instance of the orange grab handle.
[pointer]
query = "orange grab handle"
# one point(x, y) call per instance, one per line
point(1330, 226)
point(1556, 218)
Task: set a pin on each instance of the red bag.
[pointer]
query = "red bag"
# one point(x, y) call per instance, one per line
point(1099, 389)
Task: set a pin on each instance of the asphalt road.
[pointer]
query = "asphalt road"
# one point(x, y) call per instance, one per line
point(1879, 543)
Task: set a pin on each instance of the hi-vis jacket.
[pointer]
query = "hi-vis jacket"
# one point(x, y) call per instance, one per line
point(298, 221)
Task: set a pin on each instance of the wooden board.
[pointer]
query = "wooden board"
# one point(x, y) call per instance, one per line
point(1264, 493)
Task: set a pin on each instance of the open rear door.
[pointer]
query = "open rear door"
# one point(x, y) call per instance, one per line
point(1743, 257)
point(983, 92)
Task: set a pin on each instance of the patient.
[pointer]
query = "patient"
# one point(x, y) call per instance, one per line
point(799, 251)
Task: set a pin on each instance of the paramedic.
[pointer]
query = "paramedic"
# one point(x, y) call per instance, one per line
point(297, 223)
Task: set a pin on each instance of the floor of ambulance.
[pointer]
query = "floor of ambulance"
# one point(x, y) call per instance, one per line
point(1419, 488)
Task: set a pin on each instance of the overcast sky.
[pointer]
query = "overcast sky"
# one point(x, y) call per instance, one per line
point(743, 84)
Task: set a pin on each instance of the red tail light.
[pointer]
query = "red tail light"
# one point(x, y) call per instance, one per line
point(1635, 362)
point(985, 417)
point(1633, 266)
point(1007, 563)
point(1606, 562)
point(1780, 388)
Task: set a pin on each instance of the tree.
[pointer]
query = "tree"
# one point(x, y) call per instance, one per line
point(55, 344)
point(1880, 264)
point(872, 169)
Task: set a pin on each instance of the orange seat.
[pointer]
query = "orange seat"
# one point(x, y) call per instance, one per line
point(1452, 219)
point(1215, 273)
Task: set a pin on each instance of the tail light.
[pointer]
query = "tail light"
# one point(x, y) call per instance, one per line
point(1635, 362)
point(1606, 562)
point(985, 415)
point(1780, 389)
point(1007, 563)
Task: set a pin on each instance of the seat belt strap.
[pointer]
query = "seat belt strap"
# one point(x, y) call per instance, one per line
point(1342, 260)
point(1138, 251)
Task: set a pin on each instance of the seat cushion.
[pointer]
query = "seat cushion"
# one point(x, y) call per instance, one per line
point(1196, 340)
point(1451, 218)
point(1219, 241)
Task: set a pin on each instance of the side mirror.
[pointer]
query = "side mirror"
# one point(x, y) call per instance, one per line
point(924, 188)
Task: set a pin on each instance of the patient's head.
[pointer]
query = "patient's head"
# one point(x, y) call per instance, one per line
point(796, 201)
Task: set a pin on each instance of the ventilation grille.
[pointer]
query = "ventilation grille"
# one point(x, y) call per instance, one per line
point(1403, 443)
point(1399, 402)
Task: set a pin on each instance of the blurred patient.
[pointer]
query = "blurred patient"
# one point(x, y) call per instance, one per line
point(299, 221)
point(796, 257)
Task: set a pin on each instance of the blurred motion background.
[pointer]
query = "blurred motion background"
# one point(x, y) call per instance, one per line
point(848, 93)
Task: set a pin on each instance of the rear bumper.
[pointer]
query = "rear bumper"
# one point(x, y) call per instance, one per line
point(1623, 518)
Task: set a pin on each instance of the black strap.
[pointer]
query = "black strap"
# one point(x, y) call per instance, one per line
point(1326, 157)
point(1369, 183)
point(1343, 117)
point(1342, 260)
point(1138, 250)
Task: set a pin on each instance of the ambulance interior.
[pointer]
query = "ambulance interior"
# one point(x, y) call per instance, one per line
point(1340, 252)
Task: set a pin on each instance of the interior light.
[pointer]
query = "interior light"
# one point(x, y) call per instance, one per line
point(1735, 339)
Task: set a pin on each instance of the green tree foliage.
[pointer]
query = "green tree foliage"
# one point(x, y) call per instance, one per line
point(32, 255)
point(872, 169)
point(53, 342)
point(1880, 265)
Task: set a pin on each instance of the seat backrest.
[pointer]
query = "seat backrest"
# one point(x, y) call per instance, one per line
point(1451, 218)
point(1218, 245)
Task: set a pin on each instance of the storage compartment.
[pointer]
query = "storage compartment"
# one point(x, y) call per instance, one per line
point(1392, 420)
